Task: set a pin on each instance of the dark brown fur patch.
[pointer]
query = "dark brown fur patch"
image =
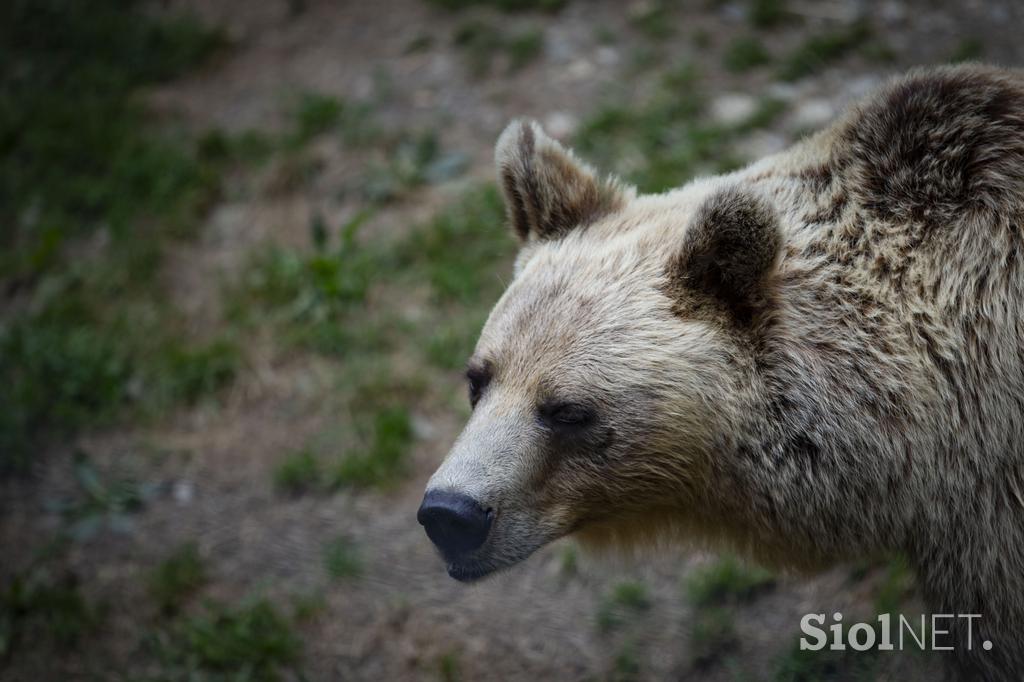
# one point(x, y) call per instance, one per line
point(726, 254)
point(940, 146)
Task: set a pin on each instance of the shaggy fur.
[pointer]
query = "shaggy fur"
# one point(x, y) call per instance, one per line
point(814, 359)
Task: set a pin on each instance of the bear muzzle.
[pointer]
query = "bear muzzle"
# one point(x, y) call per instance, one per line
point(456, 523)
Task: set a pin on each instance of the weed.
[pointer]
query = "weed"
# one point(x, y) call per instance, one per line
point(654, 20)
point(768, 13)
point(307, 606)
point(713, 635)
point(660, 144)
point(818, 51)
point(449, 669)
point(299, 473)
point(384, 458)
point(504, 5)
point(895, 588)
point(102, 503)
point(727, 581)
point(798, 665)
point(628, 597)
point(626, 665)
point(568, 562)
point(523, 48)
point(316, 114)
point(76, 151)
point(483, 43)
point(464, 273)
point(36, 604)
point(341, 559)
point(177, 578)
point(252, 642)
point(745, 53)
point(968, 50)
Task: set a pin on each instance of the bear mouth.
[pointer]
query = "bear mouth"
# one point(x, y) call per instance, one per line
point(468, 573)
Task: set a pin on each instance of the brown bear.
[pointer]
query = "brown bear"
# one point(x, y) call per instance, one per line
point(817, 358)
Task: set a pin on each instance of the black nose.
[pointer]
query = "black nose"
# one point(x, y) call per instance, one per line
point(454, 522)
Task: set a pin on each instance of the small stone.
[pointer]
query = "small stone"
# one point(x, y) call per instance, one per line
point(812, 114)
point(560, 124)
point(183, 492)
point(733, 108)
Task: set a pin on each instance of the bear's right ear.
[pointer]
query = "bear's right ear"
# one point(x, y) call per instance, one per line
point(548, 191)
point(728, 251)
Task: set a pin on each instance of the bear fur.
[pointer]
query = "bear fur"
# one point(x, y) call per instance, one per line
point(814, 359)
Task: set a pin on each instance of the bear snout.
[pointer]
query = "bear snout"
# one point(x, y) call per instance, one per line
point(454, 522)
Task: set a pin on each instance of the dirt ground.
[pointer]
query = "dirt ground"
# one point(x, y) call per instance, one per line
point(211, 466)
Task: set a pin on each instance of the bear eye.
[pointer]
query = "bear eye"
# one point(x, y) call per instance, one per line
point(566, 415)
point(478, 378)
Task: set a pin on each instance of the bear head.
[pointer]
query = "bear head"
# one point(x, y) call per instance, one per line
point(611, 372)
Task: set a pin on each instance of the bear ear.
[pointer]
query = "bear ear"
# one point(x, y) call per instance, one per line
point(728, 250)
point(548, 191)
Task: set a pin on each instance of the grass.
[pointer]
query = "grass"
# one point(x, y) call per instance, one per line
point(627, 598)
point(768, 13)
point(101, 503)
point(660, 144)
point(895, 588)
point(503, 5)
point(177, 578)
point(796, 665)
point(252, 641)
point(300, 472)
point(466, 274)
point(654, 20)
point(968, 50)
point(726, 581)
point(818, 51)
point(341, 559)
point(483, 43)
point(90, 190)
point(745, 53)
point(449, 668)
point(38, 606)
point(713, 636)
point(76, 150)
point(384, 459)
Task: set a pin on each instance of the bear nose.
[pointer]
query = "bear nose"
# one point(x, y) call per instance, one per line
point(456, 523)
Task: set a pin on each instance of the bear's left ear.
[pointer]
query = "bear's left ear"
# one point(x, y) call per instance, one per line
point(728, 251)
point(548, 191)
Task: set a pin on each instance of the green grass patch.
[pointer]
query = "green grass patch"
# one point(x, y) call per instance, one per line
point(726, 581)
point(503, 5)
point(819, 51)
point(253, 641)
point(177, 578)
point(662, 143)
point(713, 636)
point(383, 458)
point(654, 20)
point(626, 599)
point(483, 43)
point(797, 665)
point(36, 605)
point(896, 587)
point(341, 559)
point(460, 251)
point(968, 50)
point(90, 191)
point(76, 150)
point(300, 472)
point(745, 53)
point(768, 13)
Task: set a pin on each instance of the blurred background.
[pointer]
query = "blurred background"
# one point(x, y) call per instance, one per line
point(245, 250)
